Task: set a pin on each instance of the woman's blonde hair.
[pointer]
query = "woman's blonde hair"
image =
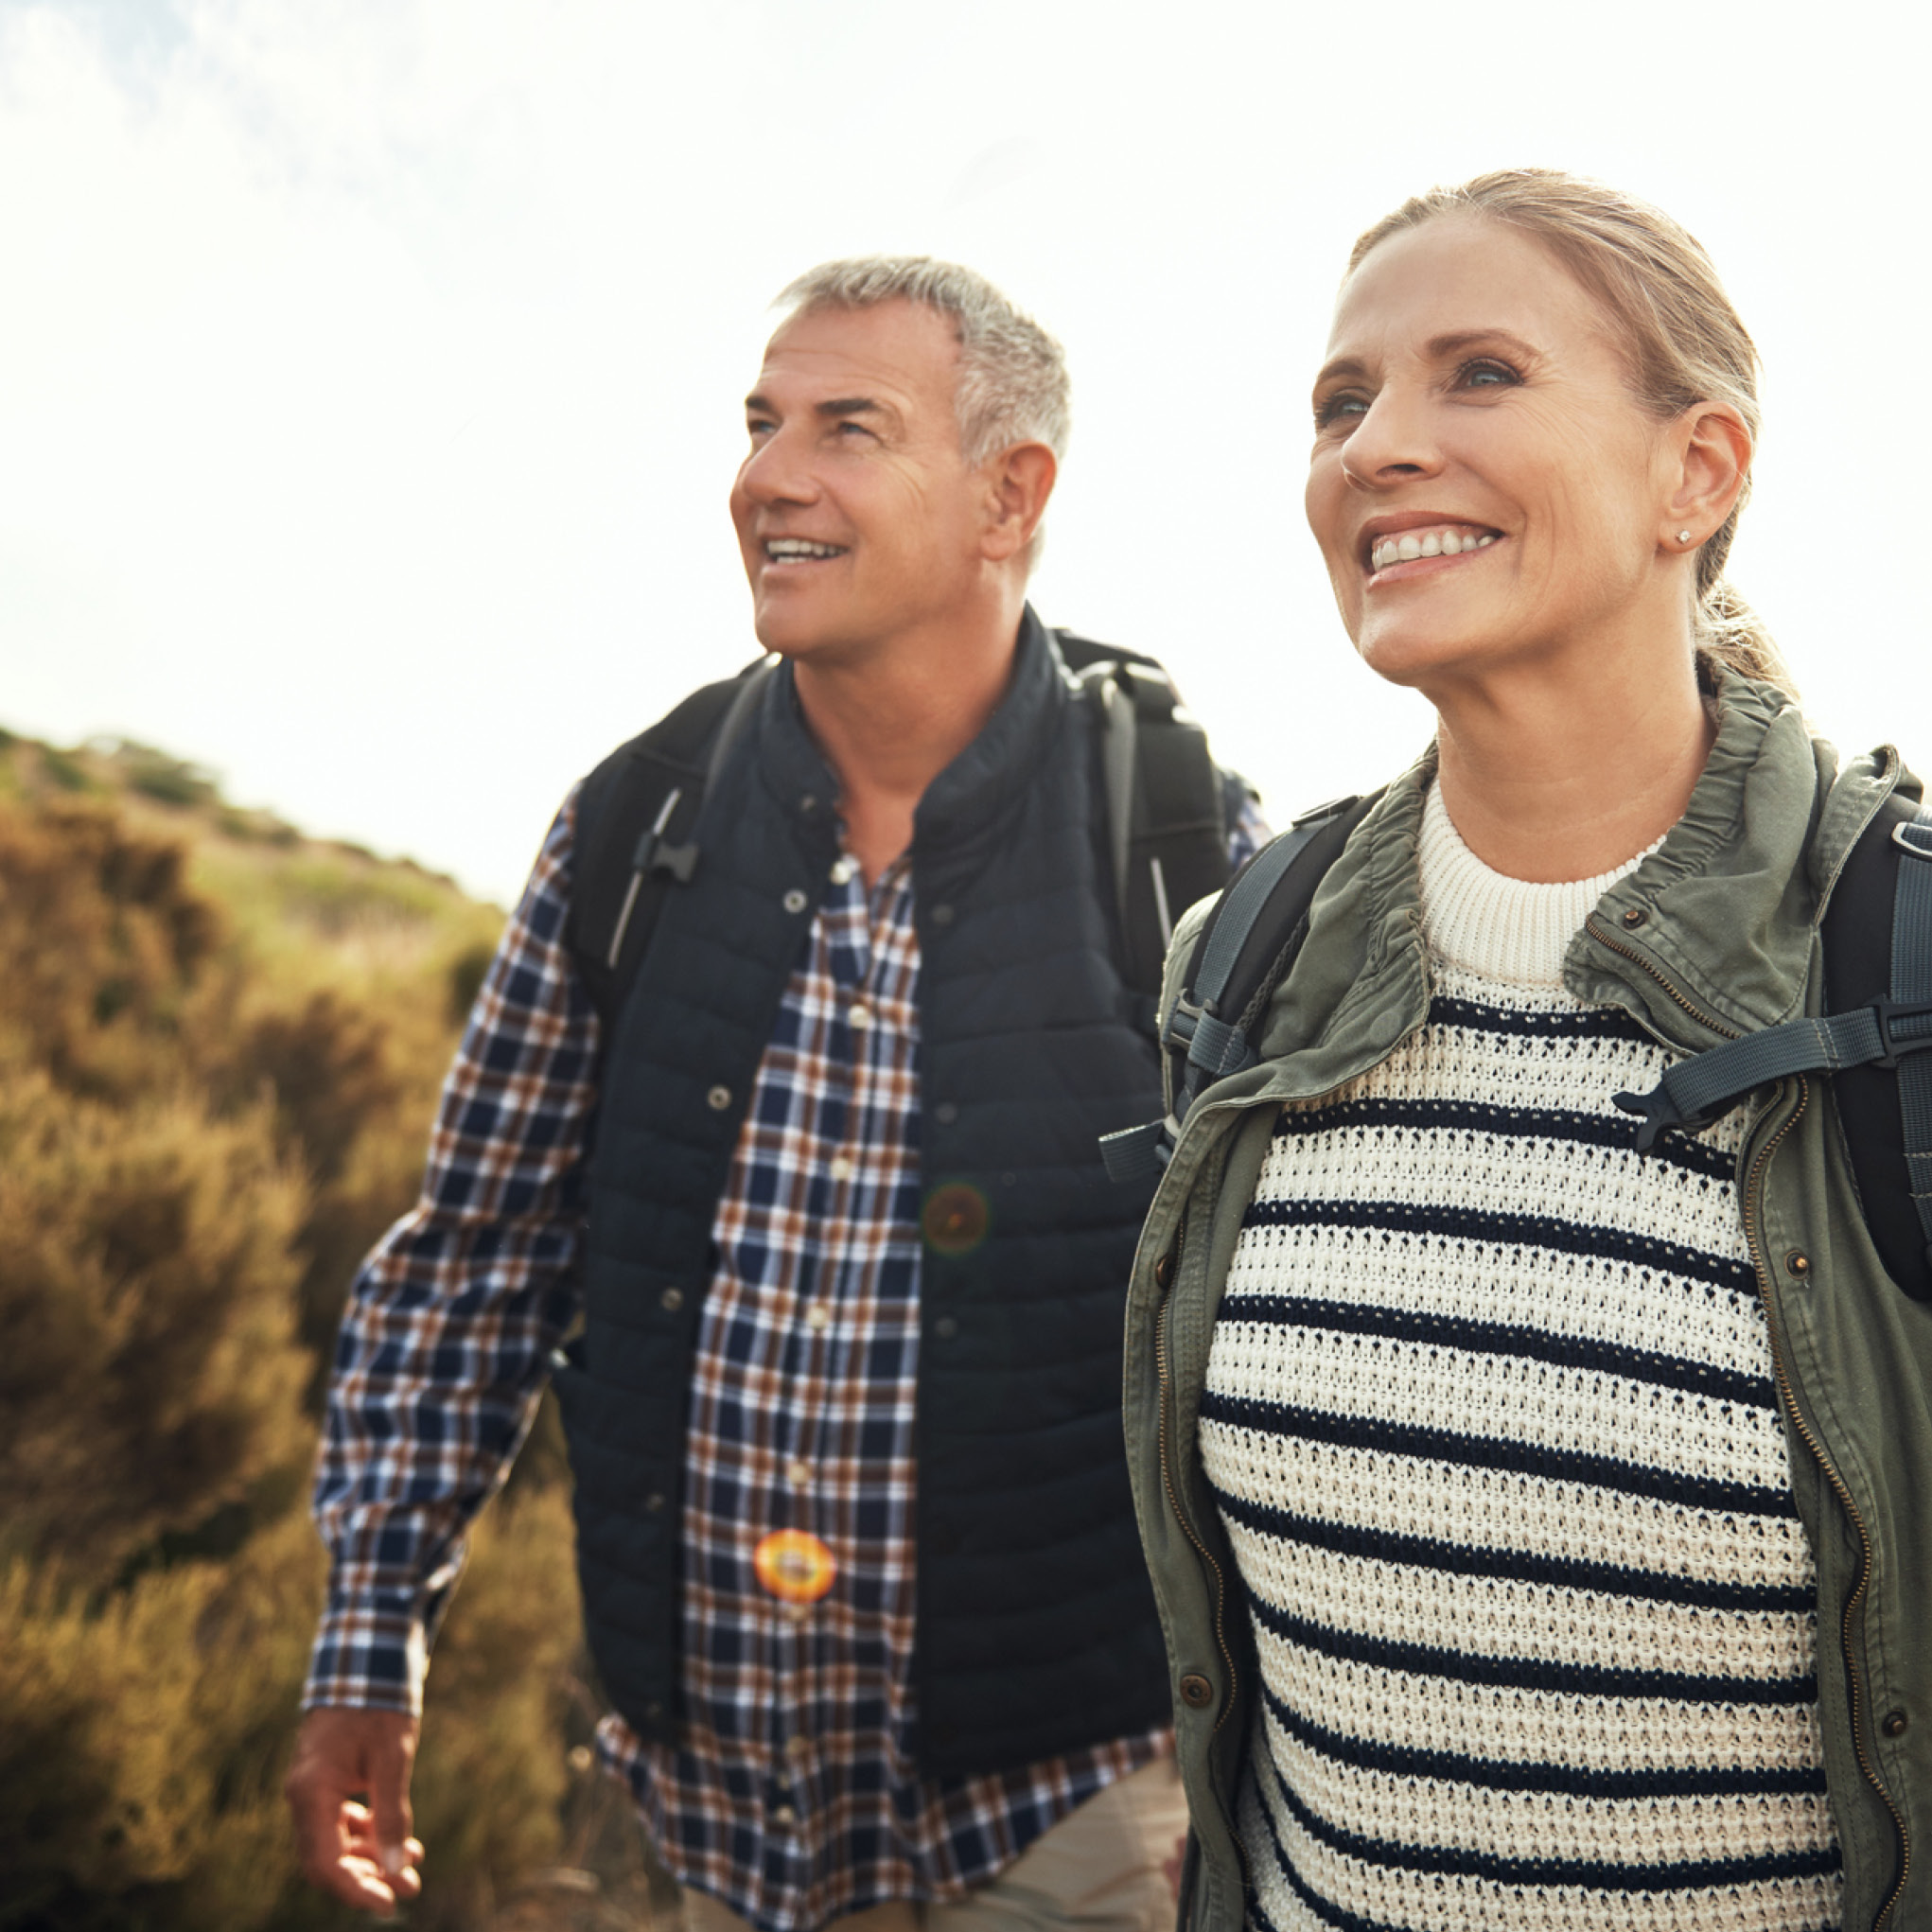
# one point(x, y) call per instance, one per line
point(1683, 340)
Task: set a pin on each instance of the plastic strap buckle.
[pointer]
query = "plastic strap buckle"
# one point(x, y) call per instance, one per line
point(1886, 1013)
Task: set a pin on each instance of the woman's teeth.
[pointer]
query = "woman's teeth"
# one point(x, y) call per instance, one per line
point(1415, 543)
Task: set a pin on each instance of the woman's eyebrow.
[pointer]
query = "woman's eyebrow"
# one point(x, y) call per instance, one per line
point(1476, 338)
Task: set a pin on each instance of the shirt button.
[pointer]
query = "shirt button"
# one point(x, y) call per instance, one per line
point(797, 1474)
point(818, 1317)
point(718, 1100)
point(843, 867)
point(784, 1816)
point(798, 1748)
point(859, 1015)
point(839, 1168)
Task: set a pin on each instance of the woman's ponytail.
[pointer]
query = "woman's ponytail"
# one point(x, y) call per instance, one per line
point(1730, 635)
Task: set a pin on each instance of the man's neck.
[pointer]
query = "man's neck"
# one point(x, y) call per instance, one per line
point(891, 720)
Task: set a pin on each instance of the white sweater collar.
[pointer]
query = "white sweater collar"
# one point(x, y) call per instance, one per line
point(1507, 929)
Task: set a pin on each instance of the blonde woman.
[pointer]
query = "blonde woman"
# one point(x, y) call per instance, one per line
point(1540, 1525)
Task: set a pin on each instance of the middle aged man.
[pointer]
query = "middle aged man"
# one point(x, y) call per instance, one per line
point(858, 1555)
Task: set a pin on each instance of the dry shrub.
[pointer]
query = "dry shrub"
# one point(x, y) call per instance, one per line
point(205, 1116)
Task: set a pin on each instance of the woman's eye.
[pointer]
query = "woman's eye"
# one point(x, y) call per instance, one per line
point(1486, 374)
point(1344, 405)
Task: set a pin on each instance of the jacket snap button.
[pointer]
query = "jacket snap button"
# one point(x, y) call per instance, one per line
point(1797, 1262)
point(795, 901)
point(1163, 1270)
point(1635, 916)
point(718, 1100)
point(1894, 1723)
point(1196, 1692)
point(671, 1300)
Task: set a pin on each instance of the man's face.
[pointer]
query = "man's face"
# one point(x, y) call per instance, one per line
point(857, 516)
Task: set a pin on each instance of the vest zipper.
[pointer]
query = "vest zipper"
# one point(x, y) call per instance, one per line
point(1753, 1197)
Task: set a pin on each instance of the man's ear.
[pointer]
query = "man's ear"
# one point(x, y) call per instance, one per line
point(1018, 482)
point(1714, 447)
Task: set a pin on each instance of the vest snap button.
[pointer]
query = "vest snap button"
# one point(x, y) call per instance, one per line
point(654, 1502)
point(1196, 1692)
point(671, 1300)
point(795, 901)
point(718, 1098)
point(945, 1113)
point(942, 915)
point(945, 1328)
point(1797, 1262)
point(1635, 916)
point(1163, 1270)
point(1894, 1723)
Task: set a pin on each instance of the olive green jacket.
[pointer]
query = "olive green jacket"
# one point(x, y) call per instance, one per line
point(1714, 935)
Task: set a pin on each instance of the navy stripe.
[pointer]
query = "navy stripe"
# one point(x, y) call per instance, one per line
point(1507, 1338)
point(1514, 1566)
point(1571, 1781)
point(1675, 1149)
point(1593, 1874)
point(1324, 1910)
point(1534, 1459)
point(1505, 1231)
point(1590, 1023)
point(1525, 1673)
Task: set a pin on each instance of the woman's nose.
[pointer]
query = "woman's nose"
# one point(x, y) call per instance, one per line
point(1393, 443)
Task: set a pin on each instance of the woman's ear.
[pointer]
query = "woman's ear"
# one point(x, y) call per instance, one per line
point(1019, 481)
point(1714, 448)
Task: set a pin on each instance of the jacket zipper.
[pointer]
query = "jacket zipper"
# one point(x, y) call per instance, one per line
point(1161, 1366)
point(1780, 1374)
point(1636, 959)
point(1854, 1601)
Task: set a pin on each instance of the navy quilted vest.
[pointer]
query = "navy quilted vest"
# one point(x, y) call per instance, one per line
point(1036, 1624)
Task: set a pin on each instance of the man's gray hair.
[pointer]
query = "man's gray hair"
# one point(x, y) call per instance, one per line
point(1012, 374)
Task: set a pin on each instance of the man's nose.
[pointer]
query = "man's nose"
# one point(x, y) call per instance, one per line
point(778, 472)
point(1393, 443)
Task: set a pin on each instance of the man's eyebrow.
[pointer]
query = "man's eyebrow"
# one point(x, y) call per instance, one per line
point(836, 409)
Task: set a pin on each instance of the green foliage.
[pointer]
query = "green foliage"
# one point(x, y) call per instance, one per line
point(219, 1060)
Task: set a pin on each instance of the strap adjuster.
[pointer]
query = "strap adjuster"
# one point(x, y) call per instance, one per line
point(1911, 846)
point(1886, 1012)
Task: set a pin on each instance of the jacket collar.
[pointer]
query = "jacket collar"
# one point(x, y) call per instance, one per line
point(970, 798)
point(1711, 937)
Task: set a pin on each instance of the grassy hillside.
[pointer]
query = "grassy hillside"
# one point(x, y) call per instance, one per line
point(221, 1044)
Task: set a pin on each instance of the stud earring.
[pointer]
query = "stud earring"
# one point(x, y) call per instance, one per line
point(1683, 537)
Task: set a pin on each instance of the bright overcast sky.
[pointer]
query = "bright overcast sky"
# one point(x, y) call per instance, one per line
point(371, 371)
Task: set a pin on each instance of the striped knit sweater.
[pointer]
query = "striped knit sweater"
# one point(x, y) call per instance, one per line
point(1490, 1419)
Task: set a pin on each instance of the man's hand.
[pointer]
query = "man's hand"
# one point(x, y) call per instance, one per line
point(349, 1789)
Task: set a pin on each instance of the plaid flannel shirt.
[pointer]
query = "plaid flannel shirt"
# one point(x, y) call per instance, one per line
point(794, 1794)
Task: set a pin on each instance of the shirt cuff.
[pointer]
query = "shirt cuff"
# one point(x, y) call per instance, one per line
point(368, 1659)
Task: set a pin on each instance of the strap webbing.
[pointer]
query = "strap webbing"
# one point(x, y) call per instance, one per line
point(1892, 1032)
point(1911, 981)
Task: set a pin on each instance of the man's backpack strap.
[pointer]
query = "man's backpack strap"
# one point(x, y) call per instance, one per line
point(635, 814)
point(1875, 1038)
point(1241, 953)
point(1169, 805)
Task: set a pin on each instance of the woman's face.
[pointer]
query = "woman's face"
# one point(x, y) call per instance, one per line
point(1483, 486)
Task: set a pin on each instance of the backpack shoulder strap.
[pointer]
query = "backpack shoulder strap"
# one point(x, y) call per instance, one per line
point(1875, 1038)
point(1242, 953)
point(635, 816)
point(1168, 802)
